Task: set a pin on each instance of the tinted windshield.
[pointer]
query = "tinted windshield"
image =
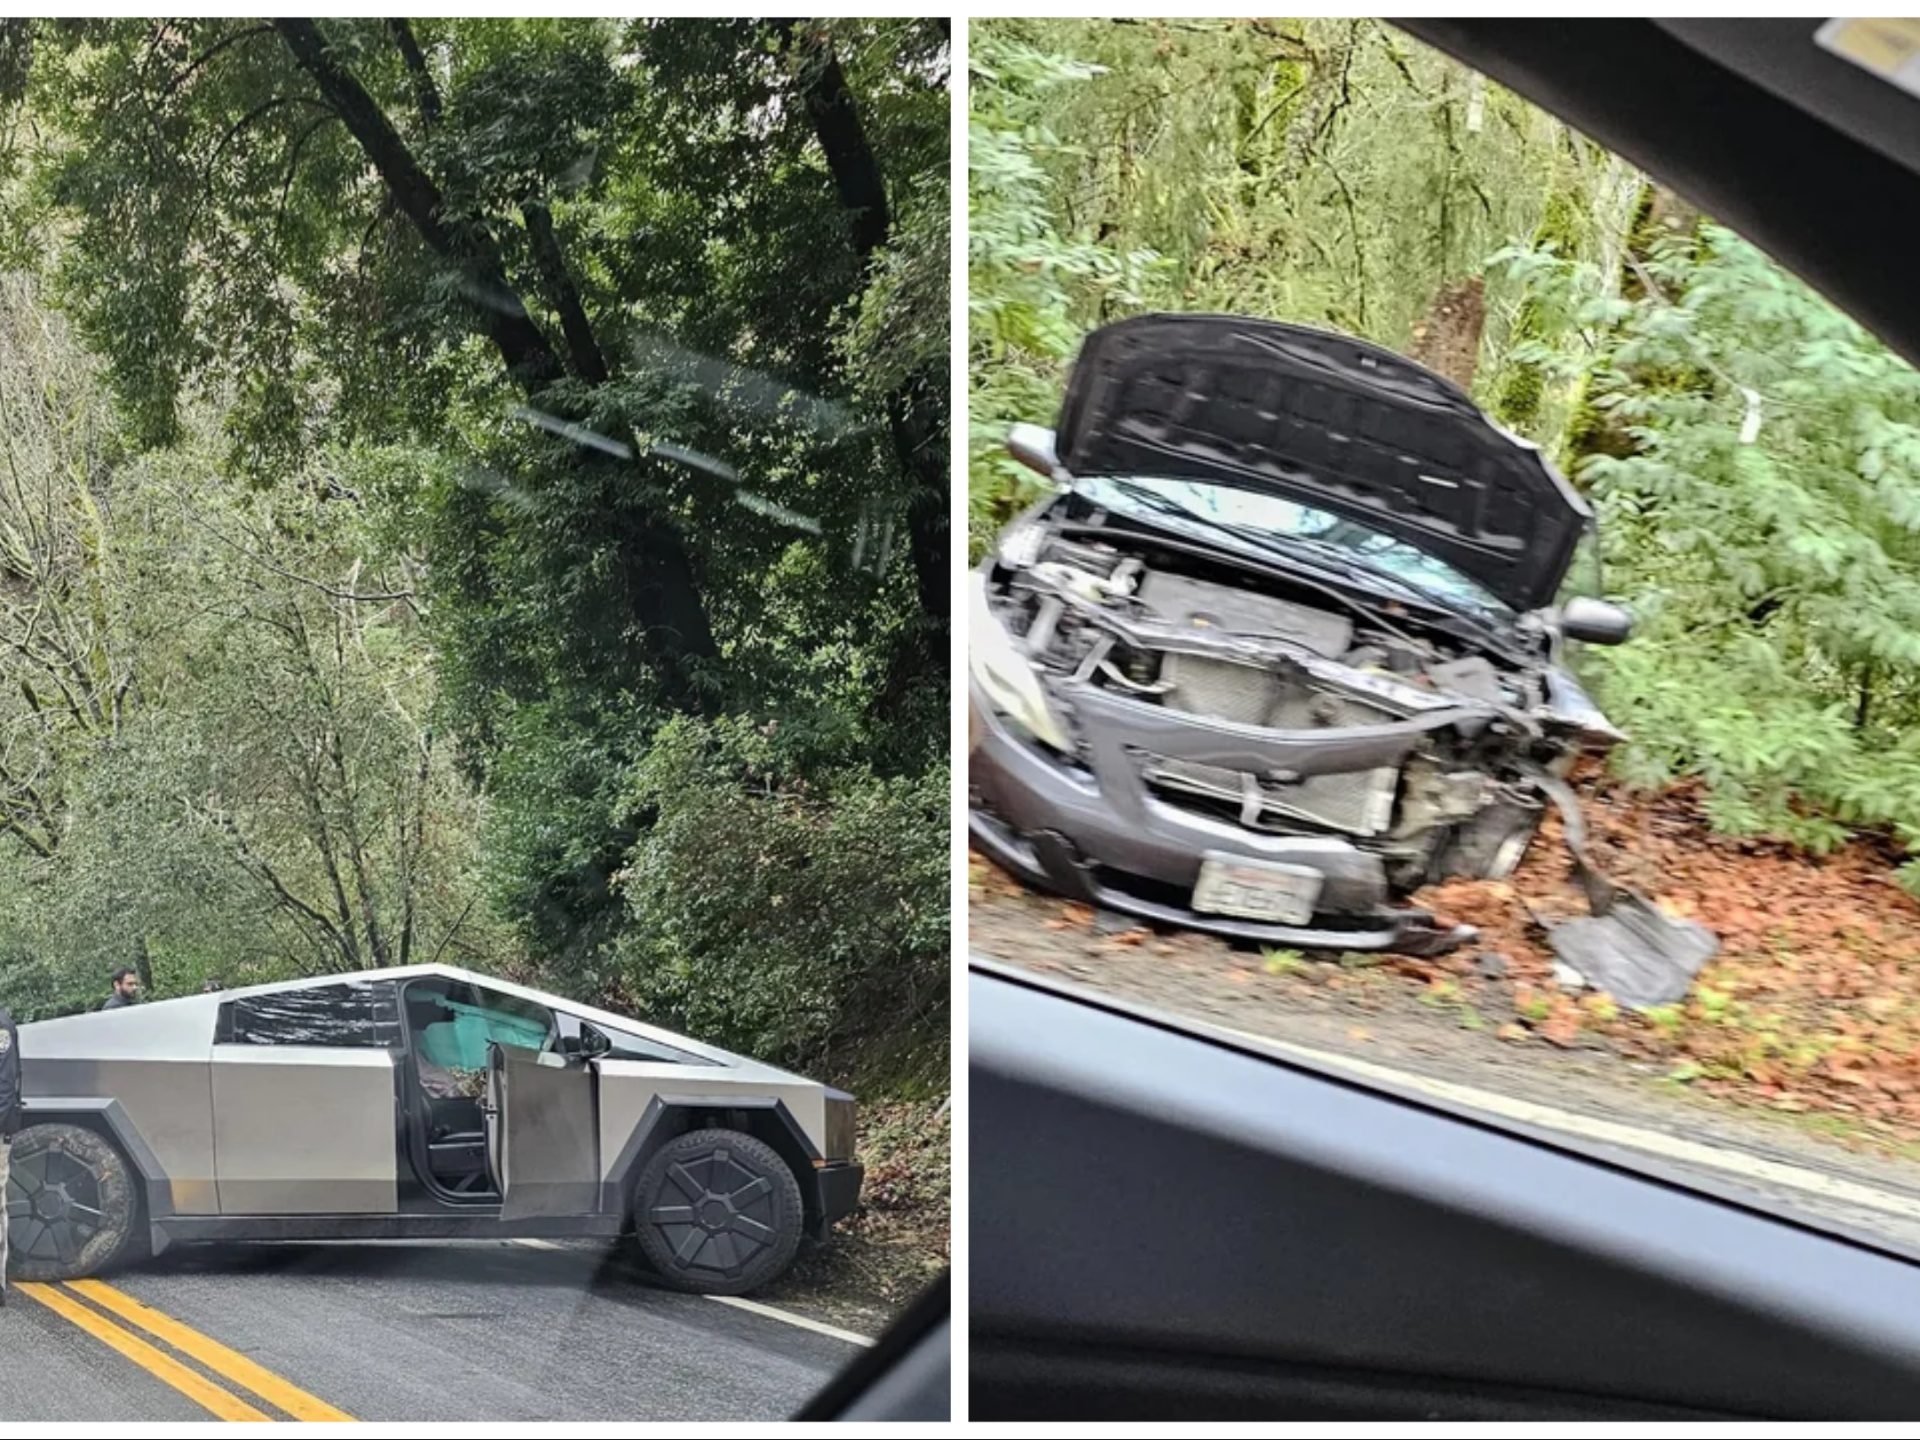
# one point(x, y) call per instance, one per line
point(1272, 516)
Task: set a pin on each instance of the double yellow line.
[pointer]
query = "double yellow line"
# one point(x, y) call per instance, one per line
point(229, 1365)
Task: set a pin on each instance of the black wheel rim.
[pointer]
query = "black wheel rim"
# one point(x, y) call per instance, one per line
point(714, 1212)
point(54, 1205)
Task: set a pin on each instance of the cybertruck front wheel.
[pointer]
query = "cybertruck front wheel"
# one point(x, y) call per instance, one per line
point(71, 1205)
point(717, 1212)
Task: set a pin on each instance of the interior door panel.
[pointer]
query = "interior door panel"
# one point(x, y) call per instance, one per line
point(547, 1159)
point(1168, 1224)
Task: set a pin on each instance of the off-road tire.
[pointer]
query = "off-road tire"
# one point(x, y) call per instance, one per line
point(717, 1212)
point(72, 1205)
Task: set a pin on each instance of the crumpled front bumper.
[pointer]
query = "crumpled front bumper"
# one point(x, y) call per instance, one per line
point(1096, 833)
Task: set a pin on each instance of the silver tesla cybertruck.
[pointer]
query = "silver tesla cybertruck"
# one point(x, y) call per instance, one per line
point(418, 1102)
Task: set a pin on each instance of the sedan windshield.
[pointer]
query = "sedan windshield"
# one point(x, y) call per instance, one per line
point(1262, 518)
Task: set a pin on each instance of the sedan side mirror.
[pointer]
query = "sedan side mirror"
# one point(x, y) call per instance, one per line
point(1598, 622)
point(1032, 446)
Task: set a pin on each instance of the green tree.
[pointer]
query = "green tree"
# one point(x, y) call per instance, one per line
point(512, 389)
point(1765, 522)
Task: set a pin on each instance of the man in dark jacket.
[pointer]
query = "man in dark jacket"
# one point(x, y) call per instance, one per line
point(126, 988)
point(9, 1125)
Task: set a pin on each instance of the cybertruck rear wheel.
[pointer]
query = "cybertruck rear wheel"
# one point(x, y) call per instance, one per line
point(71, 1205)
point(717, 1212)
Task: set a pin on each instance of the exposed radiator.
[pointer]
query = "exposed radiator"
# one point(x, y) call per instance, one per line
point(1220, 689)
point(1358, 802)
point(1251, 695)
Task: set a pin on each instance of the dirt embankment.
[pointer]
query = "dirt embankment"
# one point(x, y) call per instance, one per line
point(1813, 1003)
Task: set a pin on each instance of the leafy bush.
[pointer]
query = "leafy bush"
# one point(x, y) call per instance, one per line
point(1765, 524)
point(1026, 277)
point(789, 908)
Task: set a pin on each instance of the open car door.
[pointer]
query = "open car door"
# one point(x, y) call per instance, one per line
point(543, 1132)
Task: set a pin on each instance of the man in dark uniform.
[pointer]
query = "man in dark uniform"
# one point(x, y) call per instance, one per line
point(9, 1125)
point(126, 988)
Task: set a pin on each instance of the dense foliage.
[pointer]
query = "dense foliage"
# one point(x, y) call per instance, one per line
point(448, 415)
point(1766, 527)
point(1752, 454)
point(1330, 172)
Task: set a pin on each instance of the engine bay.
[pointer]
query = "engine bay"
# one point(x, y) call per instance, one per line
point(1167, 624)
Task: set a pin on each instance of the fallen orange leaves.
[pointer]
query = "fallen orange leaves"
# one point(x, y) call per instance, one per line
point(1818, 976)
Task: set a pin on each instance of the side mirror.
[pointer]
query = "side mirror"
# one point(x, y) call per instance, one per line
point(1032, 446)
point(1598, 622)
point(587, 1045)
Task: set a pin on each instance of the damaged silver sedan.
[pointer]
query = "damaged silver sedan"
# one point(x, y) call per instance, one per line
point(1284, 646)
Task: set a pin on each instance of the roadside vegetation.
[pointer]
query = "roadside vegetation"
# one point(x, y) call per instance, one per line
point(1752, 454)
point(475, 490)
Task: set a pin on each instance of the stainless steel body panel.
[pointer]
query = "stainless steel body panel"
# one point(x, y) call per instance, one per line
point(153, 1060)
point(627, 1087)
point(304, 1130)
point(543, 1136)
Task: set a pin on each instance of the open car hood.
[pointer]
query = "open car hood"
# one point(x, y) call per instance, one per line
point(1328, 421)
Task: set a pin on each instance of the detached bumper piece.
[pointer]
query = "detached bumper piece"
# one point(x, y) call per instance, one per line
point(1625, 946)
point(836, 1194)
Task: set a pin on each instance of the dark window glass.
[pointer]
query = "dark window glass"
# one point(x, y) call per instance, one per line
point(352, 1013)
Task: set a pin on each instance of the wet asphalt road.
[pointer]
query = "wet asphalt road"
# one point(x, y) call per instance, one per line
point(481, 1331)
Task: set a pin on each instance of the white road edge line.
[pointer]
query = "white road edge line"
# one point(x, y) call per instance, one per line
point(819, 1327)
point(1610, 1132)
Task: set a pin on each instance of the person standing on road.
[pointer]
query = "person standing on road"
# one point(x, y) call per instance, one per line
point(126, 988)
point(9, 1125)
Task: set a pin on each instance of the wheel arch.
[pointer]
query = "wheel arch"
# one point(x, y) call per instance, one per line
point(766, 1118)
point(108, 1119)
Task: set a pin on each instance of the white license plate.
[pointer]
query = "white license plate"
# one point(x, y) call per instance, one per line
point(1257, 890)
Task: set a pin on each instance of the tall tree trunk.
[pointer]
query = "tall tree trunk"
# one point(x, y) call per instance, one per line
point(589, 362)
point(1523, 387)
point(469, 247)
point(426, 94)
point(661, 580)
point(1447, 339)
point(918, 442)
point(1658, 215)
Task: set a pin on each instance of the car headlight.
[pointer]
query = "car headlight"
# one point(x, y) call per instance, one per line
point(1007, 676)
